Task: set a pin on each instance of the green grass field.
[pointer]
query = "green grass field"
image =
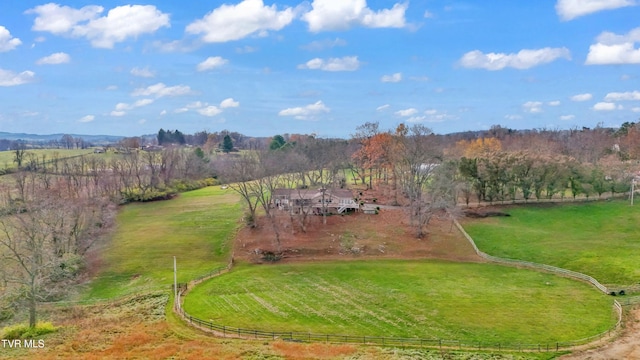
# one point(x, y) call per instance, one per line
point(601, 239)
point(7, 157)
point(197, 227)
point(427, 299)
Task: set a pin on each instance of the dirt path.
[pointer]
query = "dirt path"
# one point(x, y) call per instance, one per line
point(627, 346)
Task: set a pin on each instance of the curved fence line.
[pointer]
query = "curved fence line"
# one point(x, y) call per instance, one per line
point(532, 265)
point(307, 337)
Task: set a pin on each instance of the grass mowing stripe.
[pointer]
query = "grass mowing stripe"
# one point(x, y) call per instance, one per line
point(435, 299)
point(599, 239)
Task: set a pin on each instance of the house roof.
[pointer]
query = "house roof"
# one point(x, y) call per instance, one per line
point(312, 193)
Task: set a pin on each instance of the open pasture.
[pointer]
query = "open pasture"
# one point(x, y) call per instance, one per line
point(7, 157)
point(197, 227)
point(411, 298)
point(600, 239)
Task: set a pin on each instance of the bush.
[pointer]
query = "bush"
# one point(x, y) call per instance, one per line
point(138, 195)
point(23, 331)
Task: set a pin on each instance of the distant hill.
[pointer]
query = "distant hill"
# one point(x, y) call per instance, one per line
point(95, 139)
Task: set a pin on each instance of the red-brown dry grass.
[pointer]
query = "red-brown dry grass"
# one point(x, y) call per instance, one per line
point(385, 235)
point(312, 351)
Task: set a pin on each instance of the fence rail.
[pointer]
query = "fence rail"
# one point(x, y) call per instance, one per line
point(549, 268)
point(307, 337)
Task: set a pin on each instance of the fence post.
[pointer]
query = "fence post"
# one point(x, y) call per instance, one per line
point(557, 347)
point(224, 331)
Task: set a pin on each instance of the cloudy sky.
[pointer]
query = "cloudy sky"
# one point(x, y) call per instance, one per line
point(323, 66)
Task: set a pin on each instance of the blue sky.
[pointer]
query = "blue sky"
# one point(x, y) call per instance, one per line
point(323, 66)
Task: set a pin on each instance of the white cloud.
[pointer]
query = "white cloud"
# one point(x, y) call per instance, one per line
point(120, 23)
point(622, 96)
point(397, 77)
point(142, 72)
point(567, 117)
point(636, 109)
point(611, 48)
point(407, 112)
point(582, 97)
point(430, 116)
point(209, 111)
point(229, 103)
point(86, 119)
point(383, 107)
point(111, 88)
point(532, 107)
point(513, 117)
point(554, 103)
point(7, 42)
point(246, 49)
point(571, 9)
point(196, 105)
point(428, 14)
point(606, 106)
point(160, 90)
point(330, 15)
point(175, 46)
point(347, 63)
point(320, 45)
point(121, 108)
point(143, 102)
point(163, 112)
point(524, 59)
point(10, 78)
point(205, 109)
point(60, 20)
point(54, 59)
point(212, 62)
point(306, 112)
point(602, 54)
point(234, 22)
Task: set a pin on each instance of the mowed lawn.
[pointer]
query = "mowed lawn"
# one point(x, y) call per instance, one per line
point(197, 227)
point(426, 299)
point(600, 239)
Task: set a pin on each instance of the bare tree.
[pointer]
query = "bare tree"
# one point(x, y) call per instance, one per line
point(419, 157)
point(19, 149)
point(239, 173)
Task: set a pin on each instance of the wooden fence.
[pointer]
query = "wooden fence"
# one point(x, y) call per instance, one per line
point(307, 337)
point(549, 268)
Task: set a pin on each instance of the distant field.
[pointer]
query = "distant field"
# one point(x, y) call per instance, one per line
point(428, 299)
point(197, 227)
point(601, 239)
point(7, 157)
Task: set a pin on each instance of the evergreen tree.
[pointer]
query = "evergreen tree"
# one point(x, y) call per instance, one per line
point(227, 144)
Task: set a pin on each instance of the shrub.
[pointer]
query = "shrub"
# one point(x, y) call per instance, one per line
point(138, 195)
point(23, 331)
